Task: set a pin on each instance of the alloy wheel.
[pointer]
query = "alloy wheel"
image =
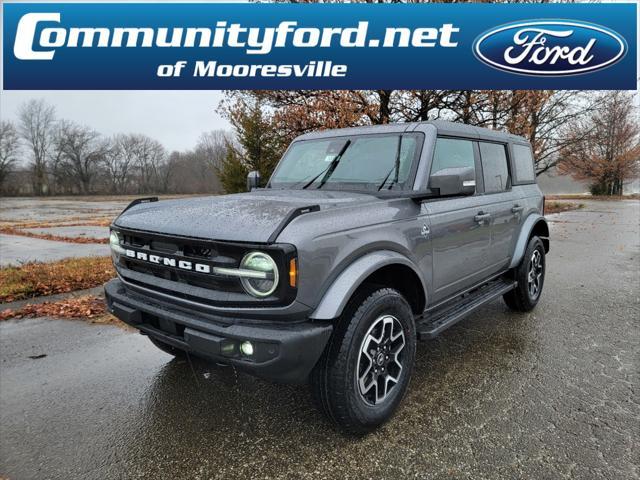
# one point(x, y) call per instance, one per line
point(380, 360)
point(535, 274)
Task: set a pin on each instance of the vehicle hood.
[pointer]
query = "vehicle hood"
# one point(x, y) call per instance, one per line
point(243, 217)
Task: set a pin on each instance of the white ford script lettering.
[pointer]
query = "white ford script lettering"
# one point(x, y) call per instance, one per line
point(550, 47)
point(532, 48)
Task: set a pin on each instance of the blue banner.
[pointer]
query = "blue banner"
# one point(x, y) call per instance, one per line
point(148, 46)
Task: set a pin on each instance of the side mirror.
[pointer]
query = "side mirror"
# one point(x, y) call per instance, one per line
point(253, 180)
point(454, 181)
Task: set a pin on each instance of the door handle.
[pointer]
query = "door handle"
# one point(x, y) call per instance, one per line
point(481, 217)
point(516, 208)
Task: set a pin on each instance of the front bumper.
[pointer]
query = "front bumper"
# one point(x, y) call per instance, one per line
point(283, 351)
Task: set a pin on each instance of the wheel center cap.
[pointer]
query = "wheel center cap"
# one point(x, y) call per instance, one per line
point(380, 359)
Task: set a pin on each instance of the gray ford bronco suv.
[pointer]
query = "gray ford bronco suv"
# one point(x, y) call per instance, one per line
point(363, 241)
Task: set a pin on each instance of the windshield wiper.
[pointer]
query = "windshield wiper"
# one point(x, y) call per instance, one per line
point(306, 185)
point(334, 163)
point(395, 167)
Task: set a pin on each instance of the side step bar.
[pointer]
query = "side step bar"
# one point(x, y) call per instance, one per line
point(432, 323)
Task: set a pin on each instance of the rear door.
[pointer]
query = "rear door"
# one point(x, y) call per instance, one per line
point(502, 203)
point(460, 227)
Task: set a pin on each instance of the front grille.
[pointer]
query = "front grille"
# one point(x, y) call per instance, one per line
point(199, 251)
point(190, 251)
point(223, 290)
point(210, 281)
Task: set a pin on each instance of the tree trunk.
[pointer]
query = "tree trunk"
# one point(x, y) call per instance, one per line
point(385, 111)
point(39, 181)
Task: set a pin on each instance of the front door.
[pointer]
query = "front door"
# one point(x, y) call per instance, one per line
point(460, 227)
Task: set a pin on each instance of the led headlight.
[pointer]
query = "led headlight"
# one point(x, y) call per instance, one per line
point(114, 243)
point(262, 285)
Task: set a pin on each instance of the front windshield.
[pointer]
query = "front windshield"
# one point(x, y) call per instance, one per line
point(367, 162)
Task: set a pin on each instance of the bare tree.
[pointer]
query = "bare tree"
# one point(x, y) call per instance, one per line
point(212, 146)
point(9, 148)
point(148, 156)
point(70, 158)
point(420, 105)
point(547, 119)
point(62, 182)
point(36, 124)
point(136, 163)
point(192, 172)
point(606, 145)
point(82, 150)
point(165, 172)
point(119, 161)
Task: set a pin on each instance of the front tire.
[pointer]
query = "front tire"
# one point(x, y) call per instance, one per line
point(530, 277)
point(365, 370)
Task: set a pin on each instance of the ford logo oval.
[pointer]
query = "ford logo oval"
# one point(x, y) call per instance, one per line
point(552, 47)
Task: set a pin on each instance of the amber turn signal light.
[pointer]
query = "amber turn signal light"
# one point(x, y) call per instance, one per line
point(293, 272)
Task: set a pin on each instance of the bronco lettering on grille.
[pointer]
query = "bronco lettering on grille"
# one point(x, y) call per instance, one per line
point(168, 261)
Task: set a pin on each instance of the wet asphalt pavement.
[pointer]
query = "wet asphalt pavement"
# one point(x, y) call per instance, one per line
point(87, 231)
point(44, 209)
point(16, 250)
point(550, 394)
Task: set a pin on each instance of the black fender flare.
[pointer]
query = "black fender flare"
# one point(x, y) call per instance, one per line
point(533, 221)
point(344, 286)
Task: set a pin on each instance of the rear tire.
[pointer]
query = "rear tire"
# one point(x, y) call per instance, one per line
point(366, 367)
point(530, 277)
point(166, 348)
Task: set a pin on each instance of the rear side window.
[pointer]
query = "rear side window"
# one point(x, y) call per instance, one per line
point(494, 167)
point(523, 164)
point(452, 153)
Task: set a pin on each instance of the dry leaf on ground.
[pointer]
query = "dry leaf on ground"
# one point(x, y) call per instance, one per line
point(36, 279)
point(84, 307)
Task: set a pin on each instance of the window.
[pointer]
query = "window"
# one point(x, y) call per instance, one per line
point(371, 158)
point(523, 164)
point(452, 153)
point(494, 167)
point(366, 162)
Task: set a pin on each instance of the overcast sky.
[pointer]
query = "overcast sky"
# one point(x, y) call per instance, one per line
point(175, 118)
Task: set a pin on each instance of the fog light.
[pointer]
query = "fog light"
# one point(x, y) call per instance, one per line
point(228, 348)
point(246, 348)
